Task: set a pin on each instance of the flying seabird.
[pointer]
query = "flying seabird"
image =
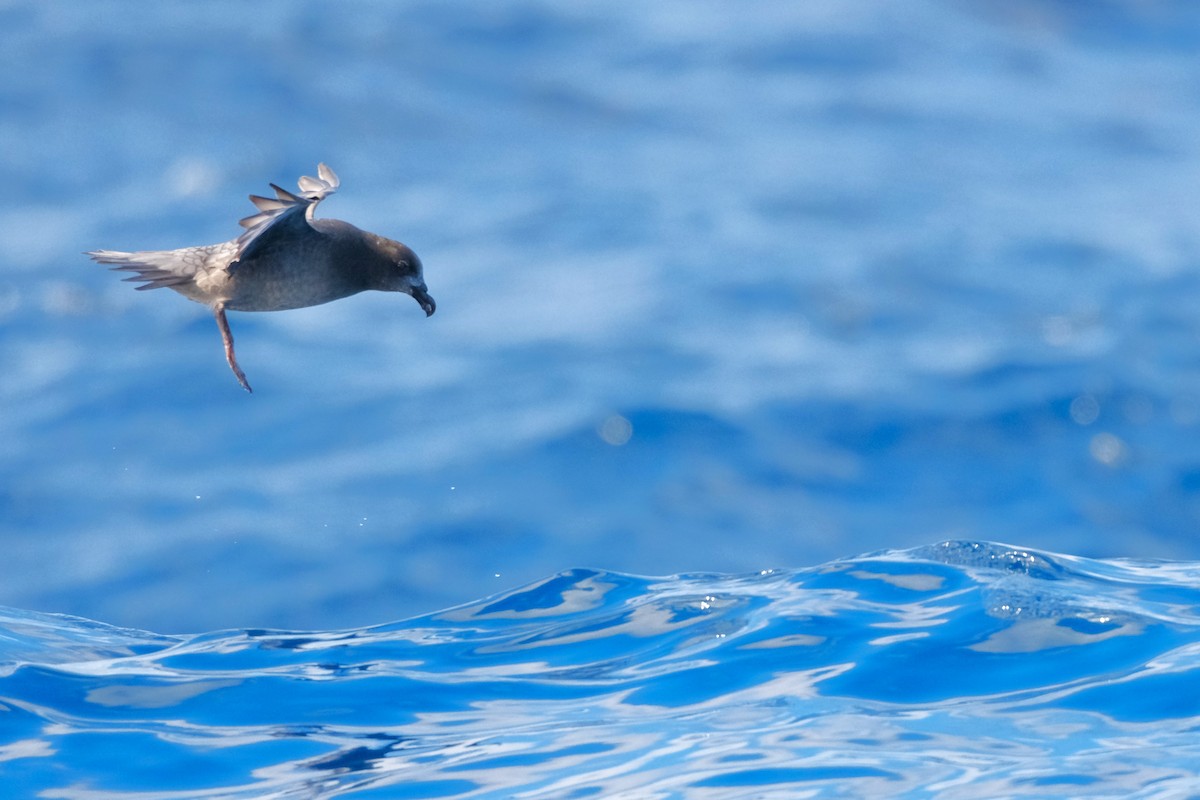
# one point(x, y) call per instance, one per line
point(285, 259)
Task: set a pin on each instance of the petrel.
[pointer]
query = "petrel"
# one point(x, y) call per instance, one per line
point(285, 259)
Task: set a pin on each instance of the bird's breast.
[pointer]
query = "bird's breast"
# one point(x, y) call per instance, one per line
point(277, 282)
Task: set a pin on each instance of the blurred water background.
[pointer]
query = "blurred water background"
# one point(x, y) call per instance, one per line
point(721, 289)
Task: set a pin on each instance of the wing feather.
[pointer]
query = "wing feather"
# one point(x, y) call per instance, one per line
point(285, 211)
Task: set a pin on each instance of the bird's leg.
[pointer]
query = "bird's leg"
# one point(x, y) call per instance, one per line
point(227, 338)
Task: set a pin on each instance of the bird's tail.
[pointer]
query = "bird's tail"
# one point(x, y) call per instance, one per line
point(156, 268)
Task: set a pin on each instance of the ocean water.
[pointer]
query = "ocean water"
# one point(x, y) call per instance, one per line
point(730, 293)
point(958, 670)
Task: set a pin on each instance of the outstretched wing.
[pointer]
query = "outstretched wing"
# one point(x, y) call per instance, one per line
point(285, 216)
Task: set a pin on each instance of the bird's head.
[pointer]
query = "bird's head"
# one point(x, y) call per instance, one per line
point(404, 273)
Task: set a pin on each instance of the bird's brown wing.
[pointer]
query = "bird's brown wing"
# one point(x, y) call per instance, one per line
point(287, 216)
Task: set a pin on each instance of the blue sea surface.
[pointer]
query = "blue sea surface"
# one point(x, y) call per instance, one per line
point(964, 669)
point(734, 292)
